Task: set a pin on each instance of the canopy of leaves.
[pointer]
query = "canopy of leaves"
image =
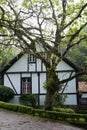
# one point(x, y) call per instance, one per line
point(53, 26)
point(6, 55)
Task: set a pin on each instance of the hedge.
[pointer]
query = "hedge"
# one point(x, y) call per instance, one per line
point(65, 110)
point(62, 116)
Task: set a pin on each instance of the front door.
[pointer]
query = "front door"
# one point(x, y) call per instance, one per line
point(26, 85)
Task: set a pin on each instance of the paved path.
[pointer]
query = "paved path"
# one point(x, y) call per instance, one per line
point(16, 121)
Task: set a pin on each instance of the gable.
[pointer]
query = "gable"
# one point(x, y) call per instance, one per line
point(20, 64)
point(64, 66)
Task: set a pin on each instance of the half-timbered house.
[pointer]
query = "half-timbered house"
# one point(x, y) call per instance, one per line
point(25, 74)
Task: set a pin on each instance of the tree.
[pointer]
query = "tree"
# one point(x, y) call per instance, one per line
point(79, 54)
point(48, 29)
point(6, 54)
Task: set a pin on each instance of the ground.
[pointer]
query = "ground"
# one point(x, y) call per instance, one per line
point(16, 121)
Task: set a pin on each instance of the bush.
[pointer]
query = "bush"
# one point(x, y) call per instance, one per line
point(62, 116)
point(82, 111)
point(31, 99)
point(65, 110)
point(6, 93)
point(59, 99)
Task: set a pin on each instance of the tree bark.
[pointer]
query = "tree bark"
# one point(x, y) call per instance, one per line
point(49, 100)
point(51, 87)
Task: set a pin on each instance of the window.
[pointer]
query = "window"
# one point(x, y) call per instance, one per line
point(31, 59)
point(26, 85)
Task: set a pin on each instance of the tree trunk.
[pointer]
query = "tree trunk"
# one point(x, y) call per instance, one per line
point(49, 100)
point(51, 87)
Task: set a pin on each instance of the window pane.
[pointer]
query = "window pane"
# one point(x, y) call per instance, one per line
point(31, 58)
point(28, 88)
point(24, 87)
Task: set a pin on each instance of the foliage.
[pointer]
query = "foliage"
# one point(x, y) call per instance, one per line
point(61, 116)
point(6, 93)
point(59, 99)
point(6, 55)
point(65, 110)
point(31, 99)
point(78, 56)
point(49, 84)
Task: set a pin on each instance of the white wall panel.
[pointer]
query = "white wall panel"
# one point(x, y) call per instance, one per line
point(71, 85)
point(42, 99)
point(44, 68)
point(42, 81)
point(34, 83)
point(63, 66)
point(71, 100)
point(26, 75)
point(15, 79)
point(38, 65)
point(20, 65)
point(7, 82)
point(32, 67)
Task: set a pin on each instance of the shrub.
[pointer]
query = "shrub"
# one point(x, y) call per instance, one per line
point(6, 93)
point(65, 110)
point(59, 99)
point(62, 116)
point(31, 99)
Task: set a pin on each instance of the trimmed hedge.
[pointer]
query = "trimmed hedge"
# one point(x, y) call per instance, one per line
point(66, 110)
point(44, 113)
point(82, 111)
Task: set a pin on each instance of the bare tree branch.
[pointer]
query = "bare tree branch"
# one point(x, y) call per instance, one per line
point(80, 73)
point(69, 46)
point(78, 15)
point(3, 13)
point(76, 33)
point(64, 2)
point(66, 82)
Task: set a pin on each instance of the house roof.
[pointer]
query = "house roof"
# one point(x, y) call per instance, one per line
point(4, 69)
point(71, 64)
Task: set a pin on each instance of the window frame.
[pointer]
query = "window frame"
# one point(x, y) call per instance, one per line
point(31, 59)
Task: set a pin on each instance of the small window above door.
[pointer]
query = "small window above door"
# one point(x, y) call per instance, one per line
point(31, 59)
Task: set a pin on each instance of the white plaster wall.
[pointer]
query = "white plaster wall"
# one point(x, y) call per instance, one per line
point(38, 65)
point(63, 66)
point(15, 99)
point(60, 67)
point(71, 85)
point(34, 83)
point(15, 79)
point(42, 81)
point(71, 100)
point(44, 68)
point(42, 99)
point(26, 75)
point(6, 82)
point(20, 65)
point(31, 67)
